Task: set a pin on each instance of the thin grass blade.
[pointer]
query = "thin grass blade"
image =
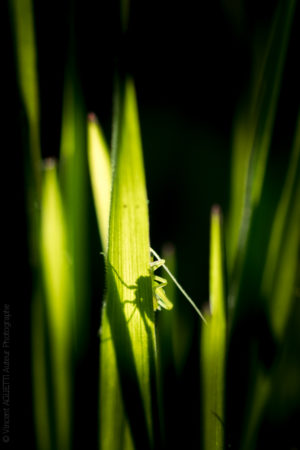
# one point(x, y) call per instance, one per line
point(278, 287)
point(25, 47)
point(281, 263)
point(213, 344)
point(22, 17)
point(252, 140)
point(100, 175)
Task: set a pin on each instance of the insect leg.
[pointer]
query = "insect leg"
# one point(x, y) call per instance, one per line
point(159, 260)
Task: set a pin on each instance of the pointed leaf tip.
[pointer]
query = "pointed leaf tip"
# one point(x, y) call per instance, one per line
point(92, 117)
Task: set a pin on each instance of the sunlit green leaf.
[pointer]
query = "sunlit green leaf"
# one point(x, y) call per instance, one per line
point(100, 173)
point(128, 346)
point(213, 343)
point(23, 20)
point(59, 301)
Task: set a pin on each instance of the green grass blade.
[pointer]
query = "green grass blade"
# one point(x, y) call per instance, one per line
point(278, 264)
point(22, 17)
point(281, 262)
point(59, 301)
point(268, 96)
point(23, 21)
point(253, 136)
point(284, 286)
point(280, 297)
point(100, 175)
point(259, 397)
point(73, 171)
point(213, 343)
point(241, 151)
point(128, 346)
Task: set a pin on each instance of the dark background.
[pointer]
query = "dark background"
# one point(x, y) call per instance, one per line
point(192, 65)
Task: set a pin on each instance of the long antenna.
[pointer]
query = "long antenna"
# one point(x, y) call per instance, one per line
point(178, 285)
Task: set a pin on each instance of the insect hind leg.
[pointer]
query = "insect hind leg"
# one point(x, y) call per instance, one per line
point(157, 264)
point(161, 282)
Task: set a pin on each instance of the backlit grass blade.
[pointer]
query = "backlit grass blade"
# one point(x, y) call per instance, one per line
point(100, 174)
point(241, 151)
point(22, 17)
point(128, 346)
point(278, 285)
point(73, 171)
point(255, 412)
point(59, 302)
point(213, 344)
point(23, 21)
point(284, 287)
point(280, 308)
point(268, 95)
point(281, 263)
point(252, 140)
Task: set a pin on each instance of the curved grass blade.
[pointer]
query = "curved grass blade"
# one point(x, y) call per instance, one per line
point(280, 307)
point(128, 346)
point(59, 302)
point(278, 286)
point(281, 262)
point(23, 20)
point(213, 344)
point(22, 17)
point(100, 175)
point(251, 146)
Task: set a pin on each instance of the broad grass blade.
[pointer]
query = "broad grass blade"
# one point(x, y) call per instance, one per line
point(73, 175)
point(58, 291)
point(128, 345)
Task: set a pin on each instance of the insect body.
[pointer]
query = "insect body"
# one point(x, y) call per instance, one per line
point(160, 299)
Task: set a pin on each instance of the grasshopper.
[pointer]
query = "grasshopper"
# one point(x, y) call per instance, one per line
point(160, 300)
